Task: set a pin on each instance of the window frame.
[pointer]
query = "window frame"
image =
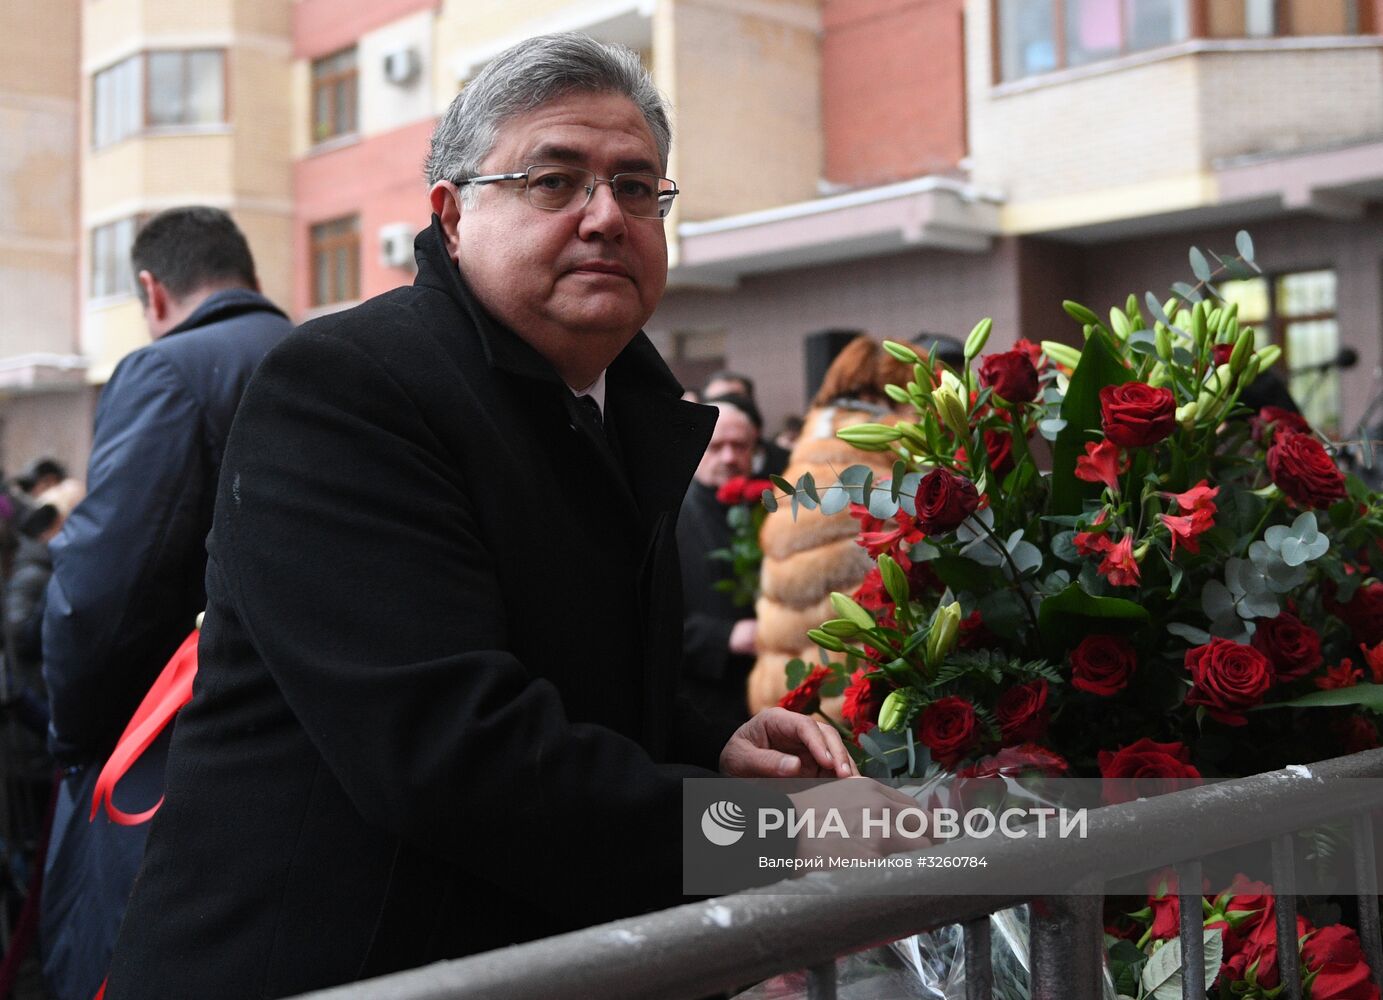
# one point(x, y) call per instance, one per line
point(319, 245)
point(143, 125)
point(328, 83)
point(122, 264)
point(1197, 16)
point(1274, 325)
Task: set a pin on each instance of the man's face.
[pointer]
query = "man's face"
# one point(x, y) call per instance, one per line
point(731, 451)
point(579, 284)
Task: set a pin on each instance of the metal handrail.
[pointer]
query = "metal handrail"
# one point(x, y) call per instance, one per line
point(700, 948)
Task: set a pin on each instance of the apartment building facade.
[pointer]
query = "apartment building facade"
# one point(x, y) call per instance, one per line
point(892, 166)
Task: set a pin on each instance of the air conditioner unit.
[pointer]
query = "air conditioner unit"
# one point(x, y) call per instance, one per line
point(402, 66)
point(396, 245)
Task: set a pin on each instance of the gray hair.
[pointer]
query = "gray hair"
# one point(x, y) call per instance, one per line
point(528, 75)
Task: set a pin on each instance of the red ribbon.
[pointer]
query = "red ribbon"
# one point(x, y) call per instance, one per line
point(170, 692)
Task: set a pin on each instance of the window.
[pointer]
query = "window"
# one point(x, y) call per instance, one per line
point(1297, 311)
point(333, 96)
point(1266, 18)
point(1038, 36)
point(161, 89)
point(110, 258)
point(336, 261)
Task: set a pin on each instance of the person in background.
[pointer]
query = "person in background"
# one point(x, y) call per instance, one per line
point(717, 636)
point(770, 458)
point(130, 562)
point(42, 474)
point(807, 558)
point(792, 429)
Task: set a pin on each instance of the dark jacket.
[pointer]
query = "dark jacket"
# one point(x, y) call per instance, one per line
point(127, 585)
point(713, 677)
point(23, 612)
point(435, 708)
point(129, 563)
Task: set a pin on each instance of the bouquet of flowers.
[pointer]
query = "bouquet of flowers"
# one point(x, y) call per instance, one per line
point(1188, 589)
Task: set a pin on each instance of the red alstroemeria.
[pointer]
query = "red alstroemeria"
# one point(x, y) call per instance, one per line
point(1199, 498)
point(876, 537)
point(1373, 656)
point(806, 697)
point(1102, 463)
point(1186, 531)
point(1343, 675)
point(1119, 567)
point(1093, 543)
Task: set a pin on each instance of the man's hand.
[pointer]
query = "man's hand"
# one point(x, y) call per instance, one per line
point(777, 743)
point(744, 637)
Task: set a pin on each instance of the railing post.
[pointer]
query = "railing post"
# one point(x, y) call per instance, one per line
point(821, 981)
point(1366, 889)
point(1285, 891)
point(1067, 947)
point(1192, 930)
point(979, 975)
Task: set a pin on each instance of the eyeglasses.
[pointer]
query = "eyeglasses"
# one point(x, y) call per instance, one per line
point(555, 188)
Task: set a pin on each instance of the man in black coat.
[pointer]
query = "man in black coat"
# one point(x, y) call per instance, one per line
point(129, 563)
point(436, 708)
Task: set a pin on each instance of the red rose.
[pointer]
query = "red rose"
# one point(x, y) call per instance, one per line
point(863, 699)
point(1292, 647)
point(732, 491)
point(1279, 421)
point(944, 500)
point(1011, 375)
point(1300, 468)
point(1102, 664)
point(1136, 414)
point(1227, 677)
point(806, 697)
point(1363, 614)
point(1012, 762)
point(1144, 769)
point(948, 727)
point(1334, 955)
point(1166, 916)
point(1257, 951)
point(1022, 712)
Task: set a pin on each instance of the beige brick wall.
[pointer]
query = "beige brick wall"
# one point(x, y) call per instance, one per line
point(38, 171)
point(261, 116)
point(1271, 102)
point(745, 83)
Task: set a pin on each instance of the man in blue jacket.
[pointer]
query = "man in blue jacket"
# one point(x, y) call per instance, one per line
point(129, 564)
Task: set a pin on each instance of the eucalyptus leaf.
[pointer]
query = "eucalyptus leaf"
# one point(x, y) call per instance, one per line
point(907, 500)
point(834, 499)
point(1216, 600)
point(770, 501)
point(1193, 635)
point(807, 484)
point(1051, 427)
point(1243, 242)
point(1200, 267)
point(881, 503)
point(1155, 309)
point(1186, 292)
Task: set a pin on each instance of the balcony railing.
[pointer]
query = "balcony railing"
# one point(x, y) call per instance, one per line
point(721, 944)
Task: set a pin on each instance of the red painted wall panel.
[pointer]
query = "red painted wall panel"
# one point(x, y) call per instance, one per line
point(381, 179)
point(893, 89)
point(321, 27)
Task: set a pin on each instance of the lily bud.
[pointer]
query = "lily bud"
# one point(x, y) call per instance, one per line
point(825, 640)
point(945, 630)
point(897, 393)
point(892, 710)
point(895, 580)
point(1062, 354)
point(1243, 347)
point(951, 410)
point(901, 352)
point(1186, 415)
point(1163, 341)
point(1268, 356)
point(978, 336)
point(848, 609)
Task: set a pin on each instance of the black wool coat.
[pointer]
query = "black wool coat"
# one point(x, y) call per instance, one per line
point(436, 708)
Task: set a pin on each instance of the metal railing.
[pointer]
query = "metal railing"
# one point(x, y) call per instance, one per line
point(721, 944)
